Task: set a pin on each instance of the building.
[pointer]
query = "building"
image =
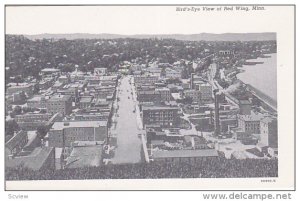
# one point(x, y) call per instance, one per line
point(15, 97)
point(85, 156)
point(37, 102)
point(97, 116)
point(206, 92)
point(227, 123)
point(145, 79)
point(172, 74)
point(99, 105)
point(31, 121)
point(165, 94)
point(195, 142)
point(40, 158)
point(226, 52)
point(64, 79)
point(16, 144)
point(85, 102)
point(188, 156)
point(63, 134)
point(27, 88)
point(245, 107)
point(194, 94)
point(46, 83)
point(57, 85)
point(160, 115)
point(268, 132)
point(60, 104)
point(148, 96)
point(70, 89)
point(195, 80)
point(100, 71)
point(50, 71)
point(107, 92)
point(250, 123)
point(154, 71)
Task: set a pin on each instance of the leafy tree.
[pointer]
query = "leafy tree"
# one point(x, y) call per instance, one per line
point(185, 73)
point(42, 131)
point(17, 110)
point(10, 127)
point(186, 100)
point(36, 89)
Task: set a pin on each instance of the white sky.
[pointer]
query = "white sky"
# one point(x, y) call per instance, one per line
point(137, 20)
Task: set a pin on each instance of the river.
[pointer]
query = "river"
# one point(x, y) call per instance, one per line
point(262, 76)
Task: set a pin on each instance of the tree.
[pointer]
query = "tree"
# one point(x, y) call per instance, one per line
point(10, 127)
point(36, 89)
point(187, 100)
point(42, 131)
point(185, 73)
point(17, 110)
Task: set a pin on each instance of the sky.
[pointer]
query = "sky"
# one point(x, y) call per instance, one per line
point(131, 20)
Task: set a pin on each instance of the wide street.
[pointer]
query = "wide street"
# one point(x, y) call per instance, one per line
point(128, 143)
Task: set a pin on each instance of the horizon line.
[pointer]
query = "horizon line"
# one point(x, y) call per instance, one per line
point(142, 33)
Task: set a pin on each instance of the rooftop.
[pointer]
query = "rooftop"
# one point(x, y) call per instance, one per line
point(36, 98)
point(86, 99)
point(185, 153)
point(244, 102)
point(59, 97)
point(10, 144)
point(84, 157)
point(50, 70)
point(78, 124)
point(34, 161)
point(267, 120)
point(158, 108)
point(252, 117)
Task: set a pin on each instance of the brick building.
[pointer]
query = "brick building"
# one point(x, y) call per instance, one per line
point(160, 115)
point(60, 104)
point(65, 133)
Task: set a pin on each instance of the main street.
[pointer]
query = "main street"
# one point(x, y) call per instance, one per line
point(128, 143)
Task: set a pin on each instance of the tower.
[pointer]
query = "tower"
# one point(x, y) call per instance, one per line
point(217, 118)
point(192, 81)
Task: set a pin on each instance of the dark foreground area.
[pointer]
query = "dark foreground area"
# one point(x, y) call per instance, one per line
point(209, 168)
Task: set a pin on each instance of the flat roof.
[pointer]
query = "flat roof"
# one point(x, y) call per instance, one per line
point(159, 108)
point(86, 99)
point(252, 117)
point(50, 70)
point(78, 124)
point(59, 97)
point(36, 98)
point(185, 153)
point(12, 142)
point(21, 85)
point(84, 157)
point(244, 102)
point(267, 120)
point(33, 161)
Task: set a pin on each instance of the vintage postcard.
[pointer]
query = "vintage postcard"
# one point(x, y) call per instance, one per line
point(156, 97)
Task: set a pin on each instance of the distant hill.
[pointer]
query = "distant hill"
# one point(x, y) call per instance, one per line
point(189, 37)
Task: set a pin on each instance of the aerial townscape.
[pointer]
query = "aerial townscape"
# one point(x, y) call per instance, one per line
point(137, 108)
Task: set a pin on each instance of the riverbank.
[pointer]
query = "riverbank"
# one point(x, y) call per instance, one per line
point(262, 77)
point(255, 81)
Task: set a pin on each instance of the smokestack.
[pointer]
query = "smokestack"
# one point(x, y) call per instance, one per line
point(217, 118)
point(192, 81)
